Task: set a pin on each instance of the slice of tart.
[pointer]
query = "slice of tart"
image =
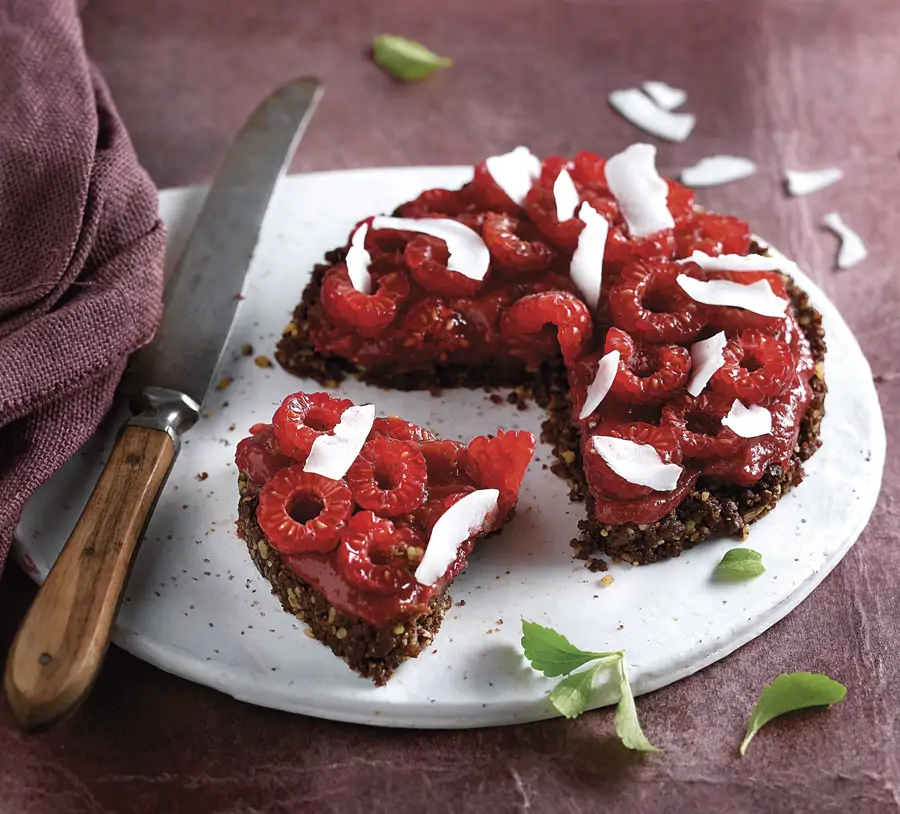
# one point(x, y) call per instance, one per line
point(681, 365)
point(360, 523)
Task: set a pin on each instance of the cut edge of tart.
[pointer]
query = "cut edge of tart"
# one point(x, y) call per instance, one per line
point(360, 523)
point(707, 503)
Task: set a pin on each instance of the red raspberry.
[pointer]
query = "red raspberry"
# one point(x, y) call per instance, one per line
point(330, 338)
point(491, 522)
point(602, 479)
point(427, 259)
point(388, 477)
point(393, 426)
point(368, 314)
point(451, 202)
point(726, 318)
point(432, 323)
point(299, 511)
point(517, 252)
point(589, 170)
point(645, 509)
point(540, 204)
point(757, 367)
point(445, 462)
point(500, 463)
point(425, 516)
point(258, 456)
point(622, 249)
point(712, 234)
point(647, 373)
point(536, 323)
point(378, 556)
point(488, 193)
point(697, 422)
point(551, 167)
point(650, 305)
point(482, 314)
point(681, 204)
point(303, 417)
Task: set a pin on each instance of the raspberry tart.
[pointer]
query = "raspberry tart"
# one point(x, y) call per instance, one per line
point(680, 364)
point(360, 523)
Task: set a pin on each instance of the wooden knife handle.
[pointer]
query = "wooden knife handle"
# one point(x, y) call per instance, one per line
point(60, 645)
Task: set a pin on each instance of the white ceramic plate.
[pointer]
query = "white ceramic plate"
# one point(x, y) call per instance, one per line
point(197, 608)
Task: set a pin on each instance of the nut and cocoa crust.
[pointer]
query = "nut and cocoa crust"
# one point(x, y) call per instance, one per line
point(711, 509)
point(372, 652)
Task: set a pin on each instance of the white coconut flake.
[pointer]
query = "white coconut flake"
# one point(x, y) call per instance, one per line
point(717, 169)
point(757, 297)
point(706, 359)
point(739, 262)
point(640, 190)
point(804, 182)
point(852, 250)
point(603, 379)
point(463, 519)
point(468, 254)
point(358, 261)
point(565, 195)
point(332, 455)
point(748, 422)
point(637, 463)
point(643, 112)
point(667, 97)
point(515, 172)
point(586, 268)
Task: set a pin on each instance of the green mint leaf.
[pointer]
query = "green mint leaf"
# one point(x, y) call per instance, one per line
point(406, 59)
point(628, 728)
point(572, 695)
point(551, 653)
point(788, 693)
point(740, 564)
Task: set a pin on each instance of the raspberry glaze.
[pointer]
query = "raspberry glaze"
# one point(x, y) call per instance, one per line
point(358, 540)
point(527, 308)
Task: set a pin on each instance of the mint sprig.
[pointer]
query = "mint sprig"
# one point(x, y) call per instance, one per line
point(740, 564)
point(407, 60)
point(628, 728)
point(788, 693)
point(553, 654)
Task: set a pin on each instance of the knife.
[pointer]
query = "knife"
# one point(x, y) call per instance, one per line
point(57, 652)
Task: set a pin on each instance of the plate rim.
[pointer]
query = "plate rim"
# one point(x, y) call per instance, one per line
point(189, 666)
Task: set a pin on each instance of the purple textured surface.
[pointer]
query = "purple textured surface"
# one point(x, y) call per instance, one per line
point(81, 248)
point(786, 83)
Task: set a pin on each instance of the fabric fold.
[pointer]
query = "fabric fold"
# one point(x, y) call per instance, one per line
point(81, 248)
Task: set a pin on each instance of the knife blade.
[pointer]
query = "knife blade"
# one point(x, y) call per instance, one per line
point(59, 648)
point(202, 295)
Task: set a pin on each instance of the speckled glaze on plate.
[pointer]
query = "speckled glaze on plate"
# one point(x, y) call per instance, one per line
point(196, 606)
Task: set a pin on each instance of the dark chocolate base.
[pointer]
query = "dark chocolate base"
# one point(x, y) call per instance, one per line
point(372, 652)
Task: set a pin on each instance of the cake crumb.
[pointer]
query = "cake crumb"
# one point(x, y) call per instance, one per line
point(247, 350)
point(224, 383)
point(606, 581)
point(262, 361)
point(202, 475)
point(461, 603)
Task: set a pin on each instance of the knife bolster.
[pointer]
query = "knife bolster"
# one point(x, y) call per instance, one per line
point(168, 410)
